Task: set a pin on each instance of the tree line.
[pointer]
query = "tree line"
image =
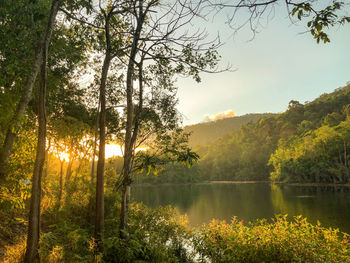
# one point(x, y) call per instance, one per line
point(308, 143)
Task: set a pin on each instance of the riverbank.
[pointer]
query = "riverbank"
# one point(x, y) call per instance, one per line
point(250, 201)
point(161, 235)
point(245, 182)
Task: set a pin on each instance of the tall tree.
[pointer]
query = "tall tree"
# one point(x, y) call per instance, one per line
point(35, 201)
point(157, 30)
point(26, 93)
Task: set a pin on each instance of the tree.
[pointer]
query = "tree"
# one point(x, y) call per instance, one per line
point(26, 93)
point(35, 201)
point(157, 38)
point(106, 24)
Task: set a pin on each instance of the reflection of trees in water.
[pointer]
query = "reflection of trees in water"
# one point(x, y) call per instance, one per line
point(181, 196)
point(202, 202)
point(223, 201)
point(327, 204)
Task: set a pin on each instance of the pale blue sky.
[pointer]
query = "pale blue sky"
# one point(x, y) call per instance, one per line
point(279, 65)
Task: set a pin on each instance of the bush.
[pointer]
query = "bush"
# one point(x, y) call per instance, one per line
point(154, 235)
point(65, 242)
point(279, 241)
point(15, 253)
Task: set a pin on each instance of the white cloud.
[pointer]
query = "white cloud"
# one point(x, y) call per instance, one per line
point(220, 115)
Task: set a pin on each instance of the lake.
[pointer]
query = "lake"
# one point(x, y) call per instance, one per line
point(249, 201)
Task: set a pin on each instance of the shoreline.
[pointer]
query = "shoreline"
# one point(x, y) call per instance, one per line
point(247, 182)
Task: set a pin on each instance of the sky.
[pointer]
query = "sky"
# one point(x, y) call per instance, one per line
point(280, 64)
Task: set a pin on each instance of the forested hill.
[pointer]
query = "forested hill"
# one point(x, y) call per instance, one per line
point(307, 143)
point(207, 132)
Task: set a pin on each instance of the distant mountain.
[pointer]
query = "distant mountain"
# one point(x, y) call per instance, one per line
point(207, 132)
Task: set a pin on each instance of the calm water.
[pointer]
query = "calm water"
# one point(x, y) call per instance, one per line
point(202, 202)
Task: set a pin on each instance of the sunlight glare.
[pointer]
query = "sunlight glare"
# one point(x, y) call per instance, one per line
point(115, 150)
point(63, 156)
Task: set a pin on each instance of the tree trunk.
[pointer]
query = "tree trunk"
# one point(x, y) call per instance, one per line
point(32, 254)
point(95, 144)
point(92, 173)
point(130, 137)
point(128, 150)
point(345, 159)
point(47, 162)
point(99, 218)
point(69, 171)
point(127, 182)
point(60, 193)
point(77, 171)
point(124, 214)
point(67, 185)
point(27, 91)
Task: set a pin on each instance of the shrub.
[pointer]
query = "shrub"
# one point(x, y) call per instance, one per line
point(65, 242)
point(154, 235)
point(15, 253)
point(279, 241)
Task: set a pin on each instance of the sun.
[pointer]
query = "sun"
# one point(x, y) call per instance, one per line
point(63, 156)
point(113, 150)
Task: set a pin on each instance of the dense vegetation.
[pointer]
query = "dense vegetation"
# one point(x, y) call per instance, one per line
point(280, 241)
point(309, 143)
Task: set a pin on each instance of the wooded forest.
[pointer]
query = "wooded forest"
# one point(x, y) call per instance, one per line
point(308, 143)
point(79, 75)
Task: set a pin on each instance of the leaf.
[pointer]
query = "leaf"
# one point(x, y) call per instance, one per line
point(155, 171)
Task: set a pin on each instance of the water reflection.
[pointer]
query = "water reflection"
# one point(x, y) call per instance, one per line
point(202, 202)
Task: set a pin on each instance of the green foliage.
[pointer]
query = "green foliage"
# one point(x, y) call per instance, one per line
point(321, 156)
point(154, 235)
point(321, 19)
point(307, 143)
point(279, 241)
point(16, 191)
point(65, 241)
point(172, 173)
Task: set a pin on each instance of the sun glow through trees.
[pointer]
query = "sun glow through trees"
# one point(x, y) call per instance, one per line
point(117, 150)
point(63, 156)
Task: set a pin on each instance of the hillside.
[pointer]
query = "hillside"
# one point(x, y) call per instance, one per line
point(308, 143)
point(207, 132)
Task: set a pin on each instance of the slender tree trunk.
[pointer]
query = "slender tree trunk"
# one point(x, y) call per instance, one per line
point(129, 136)
point(67, 186)
point(95, 143)
point(99, 218)
point(77, 171)
point(69, 170)
point(47, 162)
point(92, 173)
point(32, 254)
point(60, 192)
point(127, 182)
point(127, 152)
point(27, 91)
point(340, 159)
point(345, 159)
